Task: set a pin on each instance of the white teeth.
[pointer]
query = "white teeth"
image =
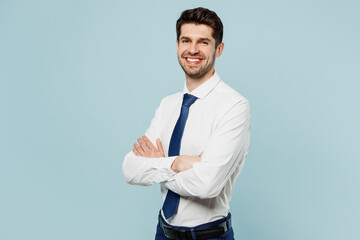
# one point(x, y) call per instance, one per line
point(193, 60)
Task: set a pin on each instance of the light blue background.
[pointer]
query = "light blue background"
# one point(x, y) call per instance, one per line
point(80, 81)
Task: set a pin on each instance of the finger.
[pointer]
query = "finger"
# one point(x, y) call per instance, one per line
point(160, 147)
point(143, 145)
point(136, 152)
point(148, 142)
point(139, 149)
point(194, 159)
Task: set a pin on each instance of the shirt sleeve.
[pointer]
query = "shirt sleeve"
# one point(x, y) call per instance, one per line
point(227, 147)
point(147, 171)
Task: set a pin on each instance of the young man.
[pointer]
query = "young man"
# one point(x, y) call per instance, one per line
point(201, 137)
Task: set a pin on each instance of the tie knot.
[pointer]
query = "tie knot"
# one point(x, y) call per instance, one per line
point(188, 100)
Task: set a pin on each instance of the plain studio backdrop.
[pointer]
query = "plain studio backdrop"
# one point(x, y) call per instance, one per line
point(80, 81)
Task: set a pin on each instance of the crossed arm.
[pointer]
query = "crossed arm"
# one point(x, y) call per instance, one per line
point(196, 176)
point(145, 148)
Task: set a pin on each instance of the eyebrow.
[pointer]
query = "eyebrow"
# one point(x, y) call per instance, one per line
point(201, 39)
point(205, 39)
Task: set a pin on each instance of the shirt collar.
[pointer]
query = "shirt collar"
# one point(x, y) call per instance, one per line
point(205, 88)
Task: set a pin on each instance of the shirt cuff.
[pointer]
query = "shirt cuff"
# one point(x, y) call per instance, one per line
point(166, 164)
point(164, 170)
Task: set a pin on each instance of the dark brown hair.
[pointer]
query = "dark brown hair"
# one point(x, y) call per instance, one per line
point(201, 16)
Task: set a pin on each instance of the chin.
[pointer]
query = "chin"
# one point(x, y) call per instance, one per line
point(195, 74)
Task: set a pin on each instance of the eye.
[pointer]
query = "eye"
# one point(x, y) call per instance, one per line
point(185, 41)
point(205, 43)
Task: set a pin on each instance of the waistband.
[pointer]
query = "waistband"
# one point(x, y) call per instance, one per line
point(203, 231)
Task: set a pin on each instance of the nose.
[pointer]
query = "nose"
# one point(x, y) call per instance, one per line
point(193, 48)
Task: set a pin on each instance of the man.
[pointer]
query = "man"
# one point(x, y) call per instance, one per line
point(201, 137)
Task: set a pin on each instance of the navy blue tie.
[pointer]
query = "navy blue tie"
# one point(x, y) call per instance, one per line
point(172, 199)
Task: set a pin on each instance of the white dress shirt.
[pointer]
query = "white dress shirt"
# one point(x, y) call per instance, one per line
point(218, 130)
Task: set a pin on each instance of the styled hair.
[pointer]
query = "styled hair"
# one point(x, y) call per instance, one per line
point(201, 16)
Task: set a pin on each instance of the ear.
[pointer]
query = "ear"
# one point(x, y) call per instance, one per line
point(219, 49)
point(177, 45)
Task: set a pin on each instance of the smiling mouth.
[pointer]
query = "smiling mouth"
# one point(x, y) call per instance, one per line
point(193, 61)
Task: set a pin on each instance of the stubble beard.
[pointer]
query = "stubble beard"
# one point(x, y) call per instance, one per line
point(202, 71)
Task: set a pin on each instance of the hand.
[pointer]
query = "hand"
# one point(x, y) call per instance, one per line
point(145, 148)
point(182, 163)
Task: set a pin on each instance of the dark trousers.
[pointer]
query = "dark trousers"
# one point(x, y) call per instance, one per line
point(228, 235)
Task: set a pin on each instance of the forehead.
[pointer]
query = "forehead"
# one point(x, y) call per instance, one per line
point(193, 30)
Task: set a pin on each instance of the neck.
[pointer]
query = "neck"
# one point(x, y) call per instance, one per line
point(192, 83)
